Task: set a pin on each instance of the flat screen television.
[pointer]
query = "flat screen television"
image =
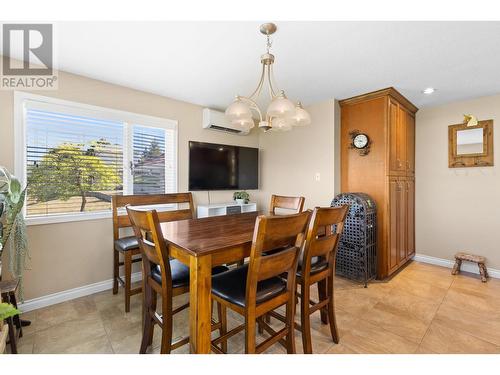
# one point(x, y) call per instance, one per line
point(222, 167)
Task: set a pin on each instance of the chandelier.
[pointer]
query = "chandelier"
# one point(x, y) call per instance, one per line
point(282, 114)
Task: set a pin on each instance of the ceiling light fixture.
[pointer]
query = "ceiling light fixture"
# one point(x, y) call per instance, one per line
point(282, 114)
point(429, 90)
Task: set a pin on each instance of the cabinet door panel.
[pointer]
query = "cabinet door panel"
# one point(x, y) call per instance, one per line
point(401, 141)
point(401, 228)
point(394, 161)
point(394, 193)
point(410, 218)
point(410, 142)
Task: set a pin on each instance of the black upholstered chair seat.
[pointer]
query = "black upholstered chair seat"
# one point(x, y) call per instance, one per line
point(180, 273)
point(317, 264)
point(127, 243)
point(231, 286)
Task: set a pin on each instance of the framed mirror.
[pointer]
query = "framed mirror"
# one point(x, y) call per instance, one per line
point(470, 146)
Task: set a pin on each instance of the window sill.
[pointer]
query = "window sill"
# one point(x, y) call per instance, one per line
point(67, 218)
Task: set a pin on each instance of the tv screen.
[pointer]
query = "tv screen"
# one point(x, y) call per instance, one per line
point(222, 167)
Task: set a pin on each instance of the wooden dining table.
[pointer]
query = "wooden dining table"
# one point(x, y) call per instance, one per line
point(202, 244)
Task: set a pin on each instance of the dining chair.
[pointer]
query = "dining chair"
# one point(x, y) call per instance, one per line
point(317, 266)
point(128, 245)
point(256, 288)
point(295, 204)
point(164, 276)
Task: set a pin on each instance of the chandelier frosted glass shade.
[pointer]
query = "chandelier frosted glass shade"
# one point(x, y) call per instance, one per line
point(238, 110)
point(281, 107)
point(245, 123)
point(281, 124)
point(301, 117)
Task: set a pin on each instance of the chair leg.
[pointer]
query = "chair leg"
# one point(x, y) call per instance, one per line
point(250, 334)
point(290, 323)
point(12, 336)
point(127, 278)
point(116, 270)
point(221, 311)
point(331, 312)
point(154, 301)
point(166, 333)
point(305, 319)
point(322, 293)
point(148, 324)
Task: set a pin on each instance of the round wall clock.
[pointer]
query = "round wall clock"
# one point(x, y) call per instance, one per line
point(360, 141)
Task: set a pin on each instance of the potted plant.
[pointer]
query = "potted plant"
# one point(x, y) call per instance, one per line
point(241, 197)
point(13, 226)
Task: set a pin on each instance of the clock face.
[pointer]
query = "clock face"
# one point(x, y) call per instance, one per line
point(360, 141)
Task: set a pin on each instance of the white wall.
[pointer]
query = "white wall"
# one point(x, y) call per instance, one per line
point(290, 160)
point(456, 208)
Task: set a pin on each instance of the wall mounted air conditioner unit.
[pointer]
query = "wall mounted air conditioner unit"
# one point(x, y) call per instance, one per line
point(216, 120)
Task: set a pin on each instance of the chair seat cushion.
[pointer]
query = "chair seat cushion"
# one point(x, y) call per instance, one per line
point(317, 264)
point(180, 273)
point(231, 286)
point(126, 243)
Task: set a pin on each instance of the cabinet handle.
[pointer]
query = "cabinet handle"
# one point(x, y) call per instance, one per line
point(399, 163)
point(407, 186)
point(408, 164)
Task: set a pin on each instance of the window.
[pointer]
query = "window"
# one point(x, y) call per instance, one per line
point(74, 157)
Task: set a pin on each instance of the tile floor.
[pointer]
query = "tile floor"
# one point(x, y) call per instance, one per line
point(423, 309)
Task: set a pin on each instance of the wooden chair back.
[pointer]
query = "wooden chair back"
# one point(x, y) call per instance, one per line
point(147, 229)
point(289, 203)
point(323, 234)
point(123, 220)
point(286, 232)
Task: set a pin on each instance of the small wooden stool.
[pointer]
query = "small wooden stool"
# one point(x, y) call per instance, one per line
point(459, 257)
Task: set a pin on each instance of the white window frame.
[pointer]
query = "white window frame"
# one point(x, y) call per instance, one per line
point(20, 167)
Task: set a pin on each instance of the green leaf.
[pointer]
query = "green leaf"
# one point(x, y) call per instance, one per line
point(7, 311)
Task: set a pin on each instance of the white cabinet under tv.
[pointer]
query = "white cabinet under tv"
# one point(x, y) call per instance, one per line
point(218, 209)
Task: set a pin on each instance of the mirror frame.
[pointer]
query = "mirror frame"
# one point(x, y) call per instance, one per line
point(484, 159)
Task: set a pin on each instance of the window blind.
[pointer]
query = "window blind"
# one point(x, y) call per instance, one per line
point(73, 163)
point(76, 158)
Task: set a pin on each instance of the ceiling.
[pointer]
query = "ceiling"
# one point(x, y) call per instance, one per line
point(207, 63)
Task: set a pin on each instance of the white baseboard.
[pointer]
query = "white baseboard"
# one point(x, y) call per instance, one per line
point(466, 266)
point(66, 295)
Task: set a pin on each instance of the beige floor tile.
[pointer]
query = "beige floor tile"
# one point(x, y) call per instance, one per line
point(62, 312)
point(467, 282)
point(85, 335)
point(403, 314)
point(365, 337)
point(340, 348)
point(441, 339)
point(416, 285)
point(485, 326)
point(424, 350)
point(357, 301)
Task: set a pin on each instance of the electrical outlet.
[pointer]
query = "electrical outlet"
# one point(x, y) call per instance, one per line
point(317, 177)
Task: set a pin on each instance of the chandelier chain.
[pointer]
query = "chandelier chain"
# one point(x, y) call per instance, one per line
point(269, 43)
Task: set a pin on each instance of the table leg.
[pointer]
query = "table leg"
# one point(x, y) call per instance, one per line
point(200, 303)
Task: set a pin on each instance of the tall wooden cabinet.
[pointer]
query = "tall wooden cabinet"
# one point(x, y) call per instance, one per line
point(387, 172)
